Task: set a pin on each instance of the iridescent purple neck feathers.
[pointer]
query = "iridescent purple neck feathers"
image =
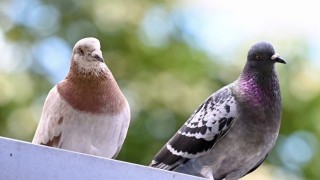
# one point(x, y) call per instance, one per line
point(259, 88)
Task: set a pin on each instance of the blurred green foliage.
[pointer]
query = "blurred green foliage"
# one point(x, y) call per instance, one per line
point(164, 82)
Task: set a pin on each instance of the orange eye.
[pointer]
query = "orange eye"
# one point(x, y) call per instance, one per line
point(258, 57)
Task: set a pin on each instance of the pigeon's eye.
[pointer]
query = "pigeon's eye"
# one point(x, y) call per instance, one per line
point(258, 57)
point(81, 52)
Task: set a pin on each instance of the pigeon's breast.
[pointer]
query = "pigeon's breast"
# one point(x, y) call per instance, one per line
point(93, 96)
point(90, 133)
point(260, 99)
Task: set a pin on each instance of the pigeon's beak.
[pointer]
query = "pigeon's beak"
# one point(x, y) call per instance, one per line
point(276, 57)
point(97, 55)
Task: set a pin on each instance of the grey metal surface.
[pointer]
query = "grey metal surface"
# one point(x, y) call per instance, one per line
point(24, 161)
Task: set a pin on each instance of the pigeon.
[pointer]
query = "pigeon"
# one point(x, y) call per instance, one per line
point(232, 132)
point(86, 112)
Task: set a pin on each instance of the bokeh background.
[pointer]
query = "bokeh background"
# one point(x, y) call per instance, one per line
point(168, 57)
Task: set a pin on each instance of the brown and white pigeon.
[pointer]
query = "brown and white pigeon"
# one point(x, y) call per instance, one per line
point(86, 112)
point(232, 132)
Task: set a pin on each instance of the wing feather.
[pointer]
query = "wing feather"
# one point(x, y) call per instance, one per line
point(206, 126)
point(49, 130)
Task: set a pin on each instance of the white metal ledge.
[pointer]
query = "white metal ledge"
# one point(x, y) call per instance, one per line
point(24, 161)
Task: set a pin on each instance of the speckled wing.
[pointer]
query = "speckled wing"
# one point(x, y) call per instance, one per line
point(201, 132)
point(50, 125)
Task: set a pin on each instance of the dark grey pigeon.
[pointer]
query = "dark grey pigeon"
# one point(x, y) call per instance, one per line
point(232, 132)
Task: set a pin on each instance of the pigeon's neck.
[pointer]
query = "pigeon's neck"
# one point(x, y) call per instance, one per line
point(91, 93)
point(259, 87)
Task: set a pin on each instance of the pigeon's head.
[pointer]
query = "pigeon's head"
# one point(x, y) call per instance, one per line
point(87, 54)
point(263, 55)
